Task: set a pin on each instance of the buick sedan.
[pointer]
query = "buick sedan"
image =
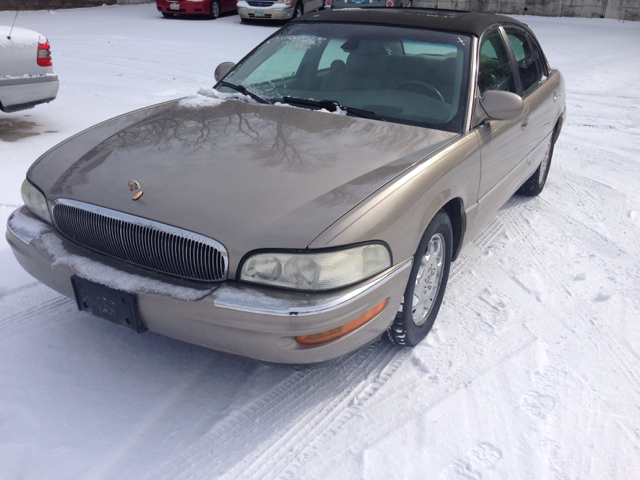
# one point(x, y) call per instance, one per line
point(313, 201)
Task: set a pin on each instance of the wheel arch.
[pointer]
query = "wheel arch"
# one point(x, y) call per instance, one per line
point(454, 208)
point(558, 128)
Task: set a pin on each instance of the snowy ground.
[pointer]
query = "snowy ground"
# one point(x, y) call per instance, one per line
point(532, 370)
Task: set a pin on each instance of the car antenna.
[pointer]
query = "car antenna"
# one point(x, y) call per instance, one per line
point(14, 22)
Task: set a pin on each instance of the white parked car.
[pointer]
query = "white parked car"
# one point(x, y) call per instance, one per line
point(26, 73)
point(276, 9)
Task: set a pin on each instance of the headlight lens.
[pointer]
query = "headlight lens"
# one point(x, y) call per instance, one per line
point(35, 201)
point(316, 271)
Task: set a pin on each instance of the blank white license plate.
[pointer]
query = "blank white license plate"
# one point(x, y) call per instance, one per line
point(174, 6)
point(258, 13)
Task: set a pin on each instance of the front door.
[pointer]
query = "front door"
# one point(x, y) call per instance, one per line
point(502, 142)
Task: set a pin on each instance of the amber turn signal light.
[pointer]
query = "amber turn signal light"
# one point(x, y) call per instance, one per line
point(350, 326)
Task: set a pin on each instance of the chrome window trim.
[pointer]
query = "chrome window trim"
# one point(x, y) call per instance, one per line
point(473, 80)
point(143, 222)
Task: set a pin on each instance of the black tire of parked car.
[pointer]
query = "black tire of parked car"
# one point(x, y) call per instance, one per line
point(214, 9)
point(298, 10)
point(536, 182)
point(404, 331)
point(168, 15)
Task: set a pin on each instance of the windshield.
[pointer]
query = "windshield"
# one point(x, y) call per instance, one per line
point(404, 75)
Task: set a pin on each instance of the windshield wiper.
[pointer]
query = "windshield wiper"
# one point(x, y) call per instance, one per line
point(242, 89)
point(332, 106)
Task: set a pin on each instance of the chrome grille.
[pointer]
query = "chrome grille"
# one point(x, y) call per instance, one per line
point(263, 3)
point(142, 242)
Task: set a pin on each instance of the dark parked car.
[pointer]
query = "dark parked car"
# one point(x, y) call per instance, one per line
point(314, 201)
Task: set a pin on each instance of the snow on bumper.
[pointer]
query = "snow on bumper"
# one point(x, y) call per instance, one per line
point(233, 317)
point(19, 93)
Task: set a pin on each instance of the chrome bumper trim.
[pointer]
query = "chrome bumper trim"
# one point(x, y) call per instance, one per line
point(11, 81)
point(251, 301)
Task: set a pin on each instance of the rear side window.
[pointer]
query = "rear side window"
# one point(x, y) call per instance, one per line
point(528, 57)
point(494, 70)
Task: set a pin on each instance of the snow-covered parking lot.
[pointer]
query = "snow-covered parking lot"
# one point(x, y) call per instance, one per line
point(533, 367)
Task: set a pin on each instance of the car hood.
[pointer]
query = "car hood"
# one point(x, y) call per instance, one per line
point(248, 175)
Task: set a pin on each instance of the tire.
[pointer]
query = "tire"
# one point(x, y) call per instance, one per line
point(214, 9)
point(426, 285)
point(299, 10)
point(168, 15)
point(536, 182)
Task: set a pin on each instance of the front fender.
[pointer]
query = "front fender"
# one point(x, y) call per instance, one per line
point(399, 213)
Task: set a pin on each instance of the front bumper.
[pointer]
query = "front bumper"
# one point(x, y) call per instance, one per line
point(20, 93)
point(187, 7)
point(277, 11)
point(233, 317)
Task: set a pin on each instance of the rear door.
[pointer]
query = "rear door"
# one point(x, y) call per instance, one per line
point(539, 91)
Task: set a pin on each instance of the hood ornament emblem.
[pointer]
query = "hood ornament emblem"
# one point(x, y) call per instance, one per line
point(134, 188)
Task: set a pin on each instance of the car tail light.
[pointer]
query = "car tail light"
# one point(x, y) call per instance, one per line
point(389, 3)
point(44, 53)
point(327, 3)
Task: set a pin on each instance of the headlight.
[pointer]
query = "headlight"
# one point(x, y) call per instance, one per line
point(35, 201)
point(316, 271)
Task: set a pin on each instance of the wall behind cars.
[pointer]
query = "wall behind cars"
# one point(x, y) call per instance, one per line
point(56, 4)
point(620, 9)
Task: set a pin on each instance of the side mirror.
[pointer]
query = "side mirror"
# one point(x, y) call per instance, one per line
point(222, 70)
point(501, 105)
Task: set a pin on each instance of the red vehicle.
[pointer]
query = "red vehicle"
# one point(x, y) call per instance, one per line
point(210, 8)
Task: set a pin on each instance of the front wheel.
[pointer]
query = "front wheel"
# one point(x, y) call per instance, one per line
point(299, 10)
point(167, 15)
point(426, 285)
point(214, 9)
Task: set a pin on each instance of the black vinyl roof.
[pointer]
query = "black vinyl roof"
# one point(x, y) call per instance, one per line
point(447, 20)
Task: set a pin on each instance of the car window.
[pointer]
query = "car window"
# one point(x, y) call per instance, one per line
point(494, 70)
point(529, 60)
point(404, 75)
point(284, 61)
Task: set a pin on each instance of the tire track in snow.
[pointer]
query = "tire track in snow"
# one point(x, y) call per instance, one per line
point(410, 400)
point(260, 427)
point(317, 427)
point(615, 260)
point(17, 309)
